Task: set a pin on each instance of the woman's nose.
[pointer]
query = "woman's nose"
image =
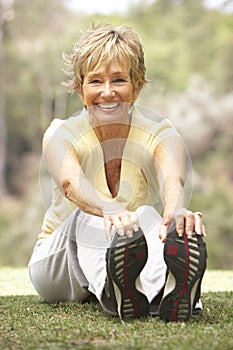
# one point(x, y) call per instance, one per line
point(107, 90)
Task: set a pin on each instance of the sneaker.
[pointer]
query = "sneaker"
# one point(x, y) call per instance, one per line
point(186, 261)
point(197, 307)
point(155, 303)
point(126, 258)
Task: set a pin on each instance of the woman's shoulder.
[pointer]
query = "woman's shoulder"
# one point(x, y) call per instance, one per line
point(72, 125)
point(151, 122)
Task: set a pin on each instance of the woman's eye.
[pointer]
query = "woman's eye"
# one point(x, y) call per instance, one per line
point(119, 80)
point(94, 81)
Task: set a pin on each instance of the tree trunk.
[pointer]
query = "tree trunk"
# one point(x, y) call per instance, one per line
point(2, 115)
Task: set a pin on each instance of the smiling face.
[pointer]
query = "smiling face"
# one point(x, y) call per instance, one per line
point(107, 91)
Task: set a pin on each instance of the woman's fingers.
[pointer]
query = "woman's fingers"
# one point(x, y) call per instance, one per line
point(108, 227)
point(187, 223)
point(203, 230)
point(199, 226)
point(124, 223)
point(179, 217)
point(164, 230)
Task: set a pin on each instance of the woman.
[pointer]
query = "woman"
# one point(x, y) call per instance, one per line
point(102, 234)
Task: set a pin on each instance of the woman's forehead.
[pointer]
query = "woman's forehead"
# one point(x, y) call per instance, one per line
point(115, 65)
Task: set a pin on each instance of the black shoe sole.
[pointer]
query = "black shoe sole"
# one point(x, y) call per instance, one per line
point(186, 261)
point(126, 258)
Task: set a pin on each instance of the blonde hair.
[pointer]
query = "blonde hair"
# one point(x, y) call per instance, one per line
point(99, 46)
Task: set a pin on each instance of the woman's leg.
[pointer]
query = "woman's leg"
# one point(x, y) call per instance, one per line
point(153, 275)
point(92, 248)
point(71, 263)
point(54, 268)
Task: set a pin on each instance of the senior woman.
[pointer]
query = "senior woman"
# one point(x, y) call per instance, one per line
point(101, 234)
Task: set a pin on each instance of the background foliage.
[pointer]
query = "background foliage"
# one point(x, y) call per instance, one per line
point(189, 54)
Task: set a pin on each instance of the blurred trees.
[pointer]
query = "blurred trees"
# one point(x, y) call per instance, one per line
point(5, 15)
point(183, 37)
point(189, 54)
point(34, 43)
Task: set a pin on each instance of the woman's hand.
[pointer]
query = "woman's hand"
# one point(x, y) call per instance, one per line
point(186, 221)
point(123, 222)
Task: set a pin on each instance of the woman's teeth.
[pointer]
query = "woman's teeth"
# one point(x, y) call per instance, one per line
point(109, 105)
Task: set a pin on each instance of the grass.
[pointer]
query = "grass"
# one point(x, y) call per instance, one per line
point(26, 322)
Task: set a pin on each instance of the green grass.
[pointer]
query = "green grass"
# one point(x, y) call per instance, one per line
point(26, 322)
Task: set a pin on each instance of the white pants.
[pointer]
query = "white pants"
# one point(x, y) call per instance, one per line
point(70, 263)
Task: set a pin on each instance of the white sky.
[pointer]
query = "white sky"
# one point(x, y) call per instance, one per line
point(106, 7)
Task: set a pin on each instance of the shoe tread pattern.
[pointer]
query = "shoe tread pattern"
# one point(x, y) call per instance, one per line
point(126, 259)
point(186, 260)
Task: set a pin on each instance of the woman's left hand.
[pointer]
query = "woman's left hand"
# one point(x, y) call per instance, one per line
point(187, 222)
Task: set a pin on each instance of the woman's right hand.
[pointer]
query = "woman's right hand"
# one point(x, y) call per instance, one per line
point(123, 222)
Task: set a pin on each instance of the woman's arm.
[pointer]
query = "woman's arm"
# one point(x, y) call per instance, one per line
point(64, 167)
point(169, 160)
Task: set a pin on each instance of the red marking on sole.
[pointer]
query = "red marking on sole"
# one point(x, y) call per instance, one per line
point(172, 250)
point(182, 290)
point(187, 260)
point(140, 254)
point(128, 289)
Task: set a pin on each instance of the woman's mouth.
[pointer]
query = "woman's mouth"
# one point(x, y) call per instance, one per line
point(108, 106)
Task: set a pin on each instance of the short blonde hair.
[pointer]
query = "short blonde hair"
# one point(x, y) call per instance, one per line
point(99, 46)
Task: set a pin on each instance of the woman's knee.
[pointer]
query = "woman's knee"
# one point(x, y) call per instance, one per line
point(56, 288)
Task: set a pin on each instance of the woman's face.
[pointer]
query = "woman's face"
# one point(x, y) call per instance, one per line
point(107, 91)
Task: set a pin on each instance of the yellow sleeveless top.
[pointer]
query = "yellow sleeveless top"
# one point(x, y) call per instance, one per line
point(138, 182)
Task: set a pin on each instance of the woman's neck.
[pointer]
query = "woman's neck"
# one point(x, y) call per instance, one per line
point(111, 131)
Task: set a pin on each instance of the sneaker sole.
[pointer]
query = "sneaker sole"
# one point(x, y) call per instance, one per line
point(126, 258)
point(186, 261)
